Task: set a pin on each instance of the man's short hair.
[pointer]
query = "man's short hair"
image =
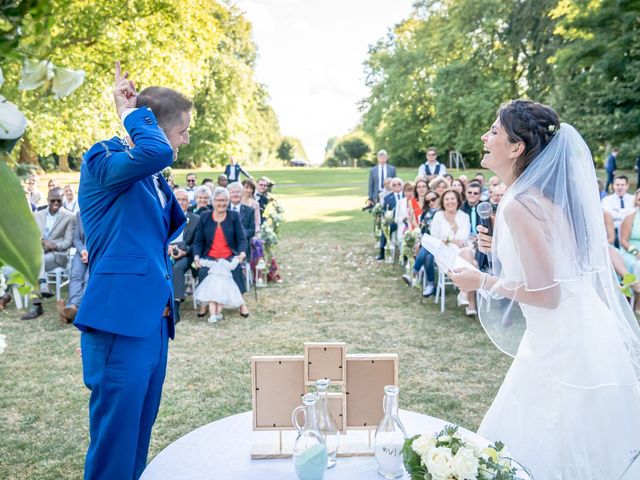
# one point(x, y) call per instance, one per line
point(180, 190)
point(382, 153)
point(203, 190)
point(235, 186)
point(621, 177)
point(166, 104)
point(191, 175)
point(222, 175)
point(474, 185)
point(432, 149)
point(205, 180)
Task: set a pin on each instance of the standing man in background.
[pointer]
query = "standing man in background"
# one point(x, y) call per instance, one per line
point(130, 216)
point(233, 171)
point(432, 166)
point(610, 167)
point(377, 176)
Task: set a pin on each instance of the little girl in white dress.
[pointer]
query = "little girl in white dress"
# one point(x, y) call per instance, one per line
point(218, 289)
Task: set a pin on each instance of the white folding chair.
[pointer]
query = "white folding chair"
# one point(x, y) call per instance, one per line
point(189, 281)
point(443, 281)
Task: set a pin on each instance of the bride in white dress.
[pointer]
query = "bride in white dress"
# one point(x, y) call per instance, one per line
point(569, 407)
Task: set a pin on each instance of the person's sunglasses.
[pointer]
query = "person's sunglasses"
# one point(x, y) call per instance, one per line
point(432, 199)
point(191, 181)
point(473, 193)
point(55, 200)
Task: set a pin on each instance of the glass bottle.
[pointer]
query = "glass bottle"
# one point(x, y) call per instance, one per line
point(326, 423)
point(309, 451)
point(390, 437)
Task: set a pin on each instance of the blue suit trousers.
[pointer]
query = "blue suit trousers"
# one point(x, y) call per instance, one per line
point(125, 376)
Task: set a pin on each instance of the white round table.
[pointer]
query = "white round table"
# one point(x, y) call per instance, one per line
point(222, 450)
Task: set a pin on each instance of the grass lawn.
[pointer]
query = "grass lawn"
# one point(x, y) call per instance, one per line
point(333, 290)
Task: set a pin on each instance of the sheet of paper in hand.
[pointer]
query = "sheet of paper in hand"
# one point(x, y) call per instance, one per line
point(446, 256)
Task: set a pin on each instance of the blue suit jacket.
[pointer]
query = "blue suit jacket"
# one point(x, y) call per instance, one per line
point(127, 231)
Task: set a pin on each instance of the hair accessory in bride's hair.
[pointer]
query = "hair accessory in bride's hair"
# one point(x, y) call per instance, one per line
point(552, 129)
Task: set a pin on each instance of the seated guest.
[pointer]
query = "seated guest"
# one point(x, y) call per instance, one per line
point(438, 185)
point(469, 207)
point(233, 171)
point(249, 200)
point(389, 203)
point(203, 200)
point(464, 179)
point(191, 187)
point(386, 189)
point(78, 275)
point(262, 196)
point(497, 192)
point(601, 189)
point(35, 196)
point(630, 237)
point(247, 214)
point(70, 201)
point(56, 227)
point(449, 178)
point(620, 203)
point(220, 235)
point(53, 183)
point(625, 262)
point(402, 210)
point(223, 181)
point(181, 251)
point(423, 257)
point(415, 205)
point(459, 187)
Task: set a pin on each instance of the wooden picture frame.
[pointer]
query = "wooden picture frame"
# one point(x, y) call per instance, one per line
point(277, 387)
point(325, 360)
point(367, 375)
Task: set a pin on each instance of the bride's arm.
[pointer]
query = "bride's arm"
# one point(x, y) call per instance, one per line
point(539, 287)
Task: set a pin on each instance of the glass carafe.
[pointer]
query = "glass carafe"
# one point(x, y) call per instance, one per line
point(326, 423)
point(390, 437)
point(309, 451)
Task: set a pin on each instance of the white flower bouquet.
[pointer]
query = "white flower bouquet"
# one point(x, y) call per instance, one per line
point(377, 211)
point(274, 213)
point(448, 456)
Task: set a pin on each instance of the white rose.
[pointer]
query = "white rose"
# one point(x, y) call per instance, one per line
point(465, 464)
point(438, 462)
point(423, 444)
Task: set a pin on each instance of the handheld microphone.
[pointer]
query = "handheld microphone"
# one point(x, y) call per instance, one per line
point(485, 210)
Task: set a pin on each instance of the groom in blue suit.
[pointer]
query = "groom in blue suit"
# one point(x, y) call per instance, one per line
point(129, 215)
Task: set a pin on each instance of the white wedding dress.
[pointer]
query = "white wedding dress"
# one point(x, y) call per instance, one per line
point(569, 407)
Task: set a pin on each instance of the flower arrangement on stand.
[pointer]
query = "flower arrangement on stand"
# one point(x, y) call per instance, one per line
point(274, 214)
point(410, 240)
point(387, 221)
point(376, 211)
point(448, 456)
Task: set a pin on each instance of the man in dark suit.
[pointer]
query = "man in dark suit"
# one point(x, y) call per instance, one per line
point(247, 215)
point(610, 167)
point(78, 275)
point(377, 176)
point(130, 215)
point(389, 203)
point(233, 171)
point(180, 251)
point(262, 195)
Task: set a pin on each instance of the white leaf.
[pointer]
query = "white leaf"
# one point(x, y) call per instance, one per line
point(66, 81)
point(34, 74)
point(12, 121)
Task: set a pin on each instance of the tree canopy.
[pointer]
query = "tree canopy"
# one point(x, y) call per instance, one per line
point(438, 77)
point(200, 48)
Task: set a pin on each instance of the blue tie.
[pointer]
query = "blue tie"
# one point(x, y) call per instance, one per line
point(621, 202)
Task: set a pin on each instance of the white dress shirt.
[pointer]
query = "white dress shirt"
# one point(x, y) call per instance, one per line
point(423, 172)
point(383, 173)
point(611, 204)
point(50, 222)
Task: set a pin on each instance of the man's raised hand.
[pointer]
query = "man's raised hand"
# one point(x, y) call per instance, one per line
point(124, 91)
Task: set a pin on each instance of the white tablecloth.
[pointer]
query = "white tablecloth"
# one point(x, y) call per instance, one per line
point(221, 450)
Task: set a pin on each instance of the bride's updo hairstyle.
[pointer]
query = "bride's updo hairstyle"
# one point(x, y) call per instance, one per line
point(531, 123)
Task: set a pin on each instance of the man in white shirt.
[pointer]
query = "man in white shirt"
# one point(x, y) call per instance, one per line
point(620, 203)
point(432, 166)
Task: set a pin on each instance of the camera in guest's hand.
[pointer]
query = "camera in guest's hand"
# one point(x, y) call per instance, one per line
point(175, 251)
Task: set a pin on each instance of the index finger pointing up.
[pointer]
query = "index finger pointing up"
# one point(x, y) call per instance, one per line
point(118, 72)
